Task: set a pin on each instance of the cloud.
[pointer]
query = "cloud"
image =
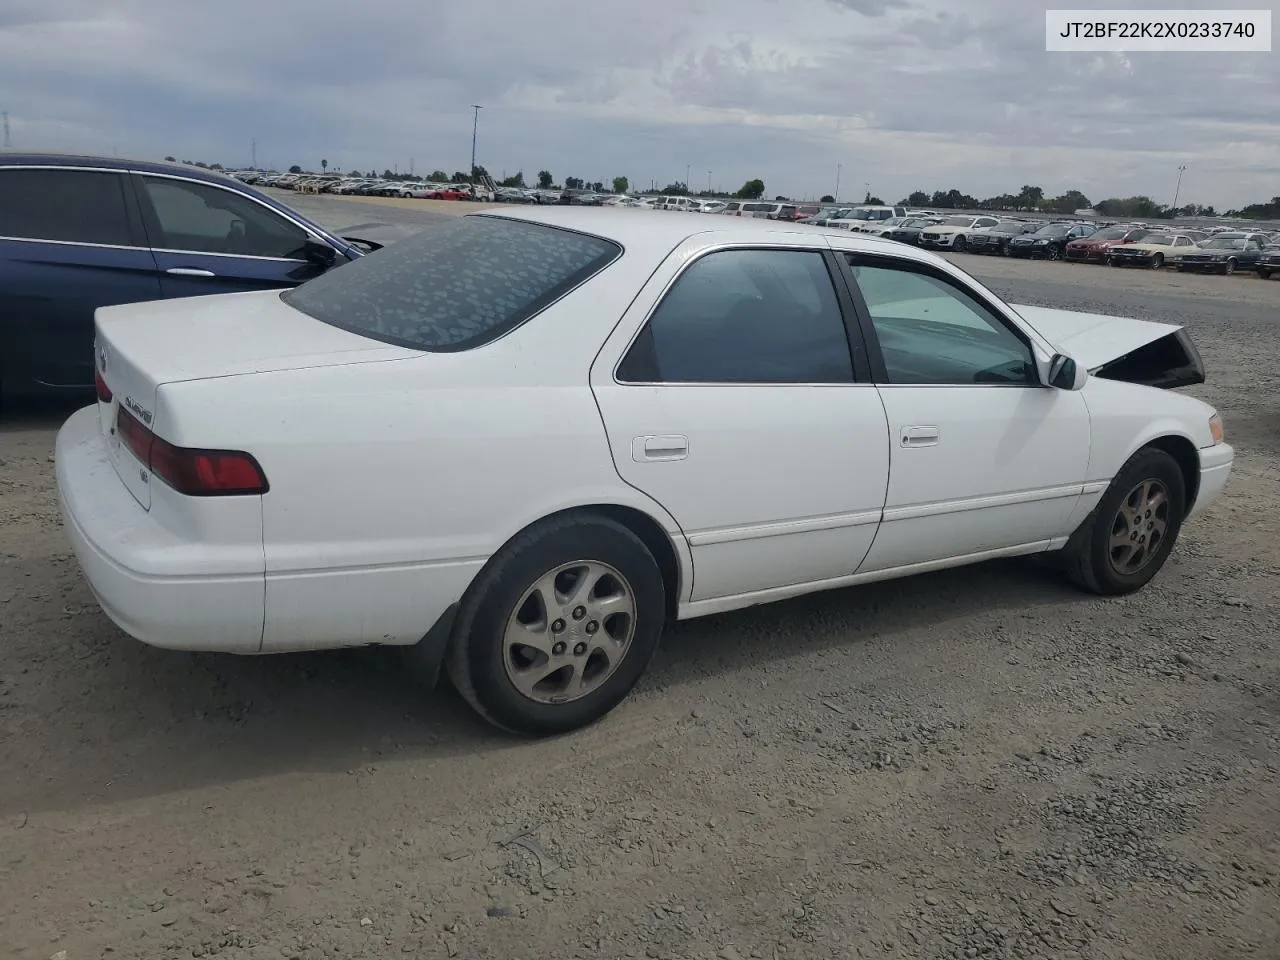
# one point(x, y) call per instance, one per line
point(903, 94)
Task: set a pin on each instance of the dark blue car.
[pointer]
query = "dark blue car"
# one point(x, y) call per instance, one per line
point(78, 233)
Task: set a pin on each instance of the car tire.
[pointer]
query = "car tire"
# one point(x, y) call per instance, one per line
point(1053, 252)
point(1093, 557)
point(495, 676)
point(1230, 267)
point(1006, 251)
point(1264, 273)
point(959, 244)
point(1157, 261)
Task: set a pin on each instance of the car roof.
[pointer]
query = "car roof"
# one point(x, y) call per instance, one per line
point(659, 234)
point(15, 159)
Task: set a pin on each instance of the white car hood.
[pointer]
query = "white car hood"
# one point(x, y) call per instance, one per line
point(1094, 339)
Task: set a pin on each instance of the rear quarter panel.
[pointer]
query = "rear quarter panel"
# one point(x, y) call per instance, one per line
point(393, 482)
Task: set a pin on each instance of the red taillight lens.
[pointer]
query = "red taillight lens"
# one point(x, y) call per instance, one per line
point(196, 473)
point(104, 392)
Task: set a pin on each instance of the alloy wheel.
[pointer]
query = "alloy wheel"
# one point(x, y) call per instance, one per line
point(570, 632)
point(1139, 526)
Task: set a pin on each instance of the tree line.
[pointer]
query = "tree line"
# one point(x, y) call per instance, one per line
point(1032, 199)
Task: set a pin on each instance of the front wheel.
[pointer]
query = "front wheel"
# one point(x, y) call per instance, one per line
point(1230, 267)
point(1157, 261)
point(1264, 273)
point(959, 245)
point(1129, 535)
point(1053, 253)
point(558, 626)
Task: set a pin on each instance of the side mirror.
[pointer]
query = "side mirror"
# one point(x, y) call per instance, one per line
point(321, 254)
point(1065, 373)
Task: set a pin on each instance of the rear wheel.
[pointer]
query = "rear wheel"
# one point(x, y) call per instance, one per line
point(1129, 535)
point(559, 626)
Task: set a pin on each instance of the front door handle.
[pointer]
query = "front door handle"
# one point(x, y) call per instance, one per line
point(920, 436)
point(671, 446)
point(190, 272)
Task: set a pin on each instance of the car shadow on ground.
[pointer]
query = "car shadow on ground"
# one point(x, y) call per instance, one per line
point(144, 721)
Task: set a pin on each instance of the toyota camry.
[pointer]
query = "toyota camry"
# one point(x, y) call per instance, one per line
point(519, 444)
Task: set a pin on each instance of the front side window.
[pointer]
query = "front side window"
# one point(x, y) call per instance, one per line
point(202, 218)
point(745, 316)
point(74, 206)
point(932, 332)
point(456, 286)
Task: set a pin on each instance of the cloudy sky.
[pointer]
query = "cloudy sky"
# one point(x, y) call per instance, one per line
point(903, 94)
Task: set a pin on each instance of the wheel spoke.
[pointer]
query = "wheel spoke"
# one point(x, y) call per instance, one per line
point(527, 679)
point(602, 608)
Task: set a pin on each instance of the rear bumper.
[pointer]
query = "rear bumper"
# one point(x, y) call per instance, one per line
point(1215, 468)
point(134, 564)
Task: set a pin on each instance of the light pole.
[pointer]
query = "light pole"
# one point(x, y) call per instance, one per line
point(686, 179)
point(475, 124)
point(867, 196)
point(1178, 189)
point(836, 195)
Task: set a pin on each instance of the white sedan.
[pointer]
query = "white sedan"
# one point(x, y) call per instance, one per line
point(519, 443)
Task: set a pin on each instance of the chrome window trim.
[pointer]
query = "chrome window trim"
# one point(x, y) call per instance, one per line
point(76, 243)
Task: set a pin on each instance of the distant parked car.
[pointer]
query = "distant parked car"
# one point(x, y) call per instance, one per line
point(909, 229)
point(448, 193)
point(746, 208)
point(1094, 248)
point(79, 233)
point(1222, 254)
point(1268, 262)
point(1152, 251)
point(995, 240)
point(1049, 241)
point(953, 232)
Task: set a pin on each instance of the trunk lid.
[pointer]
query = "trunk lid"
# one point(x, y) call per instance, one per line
point(141, 346)
point(1121, 348)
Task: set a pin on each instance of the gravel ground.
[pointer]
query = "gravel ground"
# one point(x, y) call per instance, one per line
point(978, 763)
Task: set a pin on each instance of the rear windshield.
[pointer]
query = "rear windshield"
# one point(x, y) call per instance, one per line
point(455, 286)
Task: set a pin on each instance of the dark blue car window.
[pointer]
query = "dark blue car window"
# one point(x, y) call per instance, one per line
point(74, 206)
point(202, 218)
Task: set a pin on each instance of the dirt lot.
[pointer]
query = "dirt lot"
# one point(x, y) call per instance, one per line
point(980, 763)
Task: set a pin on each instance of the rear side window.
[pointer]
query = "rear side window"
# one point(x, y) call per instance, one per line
point(75, 206)
point(456, 286)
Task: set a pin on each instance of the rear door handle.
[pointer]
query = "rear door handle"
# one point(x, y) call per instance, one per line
point(920, 436)
point(190, 272)
point(670, 446)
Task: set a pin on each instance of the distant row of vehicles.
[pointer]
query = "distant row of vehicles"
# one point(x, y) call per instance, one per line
point(1214, 250)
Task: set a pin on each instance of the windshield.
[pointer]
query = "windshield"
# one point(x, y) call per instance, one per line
point(455, 286)
point(1111, 233)
point(1221, 244)
point(1053, 230)
point(1013, 228)
point(957, 221)
point(1159, 239)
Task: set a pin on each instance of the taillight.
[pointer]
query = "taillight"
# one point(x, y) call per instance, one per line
point(194, 472)
point(104, 392)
